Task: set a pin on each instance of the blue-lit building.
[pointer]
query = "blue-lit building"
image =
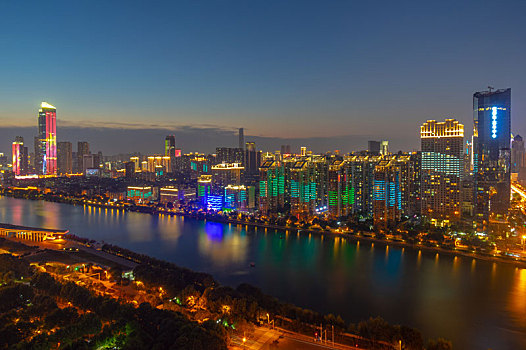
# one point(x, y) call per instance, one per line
point(236, 197)
point(215, 202)
point(492, 154)
point(387, 194)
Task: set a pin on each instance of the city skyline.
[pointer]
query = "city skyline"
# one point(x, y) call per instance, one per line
point(296, 70)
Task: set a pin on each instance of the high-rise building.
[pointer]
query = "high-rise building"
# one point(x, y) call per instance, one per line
point(252, 163)
point(129, 169)
point(441, 173)
point(387, 193)
point(169, 195)
point(414, 185)
point(384, 148)
point(302, 189)
point(88, 162)
point(169, 146)
point(230, 155)
point(159, 164)
point(204, 188)
point(271, 187)
point(241, 138)
point(226, 174)
point(65, 157)
point(20, 163)
point(518, 159)
point(82, 150)
point(136, 163)
point(517, 154)
point(46, 147)
point(362, 181)
point(340, 190)
point(285, 150)
point(236, 197)
point(373, 147)
point(492, 156)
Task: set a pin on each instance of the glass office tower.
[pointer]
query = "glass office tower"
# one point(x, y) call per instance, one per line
point(492, 156)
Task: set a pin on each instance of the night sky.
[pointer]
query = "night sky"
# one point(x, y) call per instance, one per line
point(304, 70)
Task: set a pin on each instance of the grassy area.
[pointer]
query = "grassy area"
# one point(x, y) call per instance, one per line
point(98, 260)
point(16, 247)
point(49, 255)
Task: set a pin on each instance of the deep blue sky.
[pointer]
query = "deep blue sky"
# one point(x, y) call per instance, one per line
point(290, 69)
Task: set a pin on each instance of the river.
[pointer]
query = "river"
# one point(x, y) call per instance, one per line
point(476, 304)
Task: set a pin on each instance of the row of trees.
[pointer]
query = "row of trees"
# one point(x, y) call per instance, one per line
point(144, 327)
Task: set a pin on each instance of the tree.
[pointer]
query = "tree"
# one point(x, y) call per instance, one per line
point(439, 344)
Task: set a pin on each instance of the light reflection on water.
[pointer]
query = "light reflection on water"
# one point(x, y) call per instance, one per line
point(477, 304)
point(221, 245)
point(517, 300)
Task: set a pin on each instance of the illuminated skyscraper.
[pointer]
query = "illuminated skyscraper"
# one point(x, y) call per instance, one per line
point(19, 156)
point(302, 189)
point(362, 180)
point(271, 187)
point(235, 197)
point(46, 162)
point(341, 193)
point(225, 174)
point(204, 189)
point(384, 148)
point(492, 156)
point(387, 193)
point(441, 174)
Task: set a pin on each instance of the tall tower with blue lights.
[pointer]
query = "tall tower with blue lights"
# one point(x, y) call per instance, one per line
point(492, 154)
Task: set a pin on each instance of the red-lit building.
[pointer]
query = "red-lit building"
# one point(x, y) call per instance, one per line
point(19, 156)
point(46, 150)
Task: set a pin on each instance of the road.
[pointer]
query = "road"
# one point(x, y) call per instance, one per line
point(271, 339)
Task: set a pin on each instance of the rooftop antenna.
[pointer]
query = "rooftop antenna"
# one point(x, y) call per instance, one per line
point(490, 88)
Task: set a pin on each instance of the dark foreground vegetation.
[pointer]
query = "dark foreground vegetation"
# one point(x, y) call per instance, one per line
point(44, 313)
point(190, 310)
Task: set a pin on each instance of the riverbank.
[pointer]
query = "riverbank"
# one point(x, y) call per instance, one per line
point(359, 236)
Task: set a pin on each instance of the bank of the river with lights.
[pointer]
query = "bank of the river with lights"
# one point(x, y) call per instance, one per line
point(453, 248)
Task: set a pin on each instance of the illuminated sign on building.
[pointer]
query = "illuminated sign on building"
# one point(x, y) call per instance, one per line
point(215, 202)
point(494, 122)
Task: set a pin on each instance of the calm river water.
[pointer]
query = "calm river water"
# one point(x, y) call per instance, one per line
point(476, 304)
